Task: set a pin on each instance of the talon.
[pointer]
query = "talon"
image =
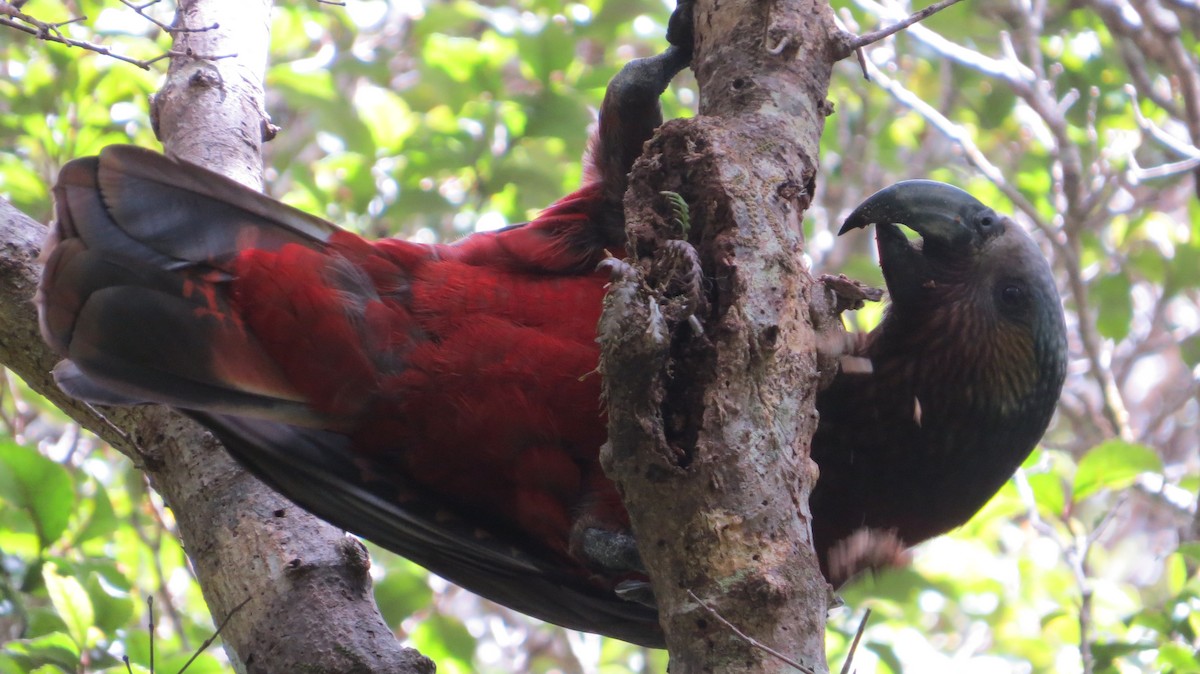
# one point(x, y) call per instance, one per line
point(866, 550)
point(638, 592)
point(618, 268)
point(849, 293)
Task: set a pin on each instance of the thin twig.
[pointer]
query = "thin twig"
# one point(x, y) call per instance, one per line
point(150, 611)
point(862, 627)
point(171, 30)
point(154, 542)
point(1176, 145)
point(1075, 554)
point(49, 32)
point(751, 640)
point(858, 42)
point(41, 34)
point(209, 641)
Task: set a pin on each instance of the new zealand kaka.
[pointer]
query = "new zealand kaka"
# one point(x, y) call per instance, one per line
point(441, 401)
point(966, 368)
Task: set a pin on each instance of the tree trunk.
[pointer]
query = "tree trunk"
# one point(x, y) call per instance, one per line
point(709, 435)
point(310, 606)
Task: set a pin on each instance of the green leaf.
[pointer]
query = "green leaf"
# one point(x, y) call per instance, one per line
point(72, 603)
point(51, 649)
point(447, 642)
point(1189, 349)
point(1114, 306)
point(549, 51)
point(112, 607)
point(100, 520)
point(1048, 493)
point(1114, 464)
point(1177, 657)
point(403, 591)
point(40, 487)
point(1191, 551)
point(887, 655)
point(1105, 653)
point(203, 664)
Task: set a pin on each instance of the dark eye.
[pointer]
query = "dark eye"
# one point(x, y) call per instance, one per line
point(1012, 294)
point(988, 221)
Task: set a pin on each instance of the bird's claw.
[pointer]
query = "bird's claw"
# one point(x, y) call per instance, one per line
point(848, 293)
point(607, 550)
point(866, 550)
point(637, 591)
point(619, 270)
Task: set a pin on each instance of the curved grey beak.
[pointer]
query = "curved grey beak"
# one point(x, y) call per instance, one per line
point(952, 223)
point(942, 214)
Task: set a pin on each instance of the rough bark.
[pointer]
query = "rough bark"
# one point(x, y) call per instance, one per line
point(709, 436)
point(310, 603)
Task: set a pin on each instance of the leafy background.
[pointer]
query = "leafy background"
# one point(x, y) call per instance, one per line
point(430, 120)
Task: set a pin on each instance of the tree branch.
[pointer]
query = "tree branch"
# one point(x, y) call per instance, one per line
point(722, 420)
point(49, 32)
point(858, 42)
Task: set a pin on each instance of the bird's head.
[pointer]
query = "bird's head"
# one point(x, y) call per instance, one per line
point(975, 291)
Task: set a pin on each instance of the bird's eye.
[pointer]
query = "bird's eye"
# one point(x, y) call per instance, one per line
point(988, 221)
point(1012, 294)
point(1012, 299)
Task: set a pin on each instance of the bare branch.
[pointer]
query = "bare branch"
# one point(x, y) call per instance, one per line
point(141, 11)
point(1010, 70)
point(856, 43)
point(959, 136)
point(1176, 145)
point(50, 32)
point(862, 627)
point(209, 641)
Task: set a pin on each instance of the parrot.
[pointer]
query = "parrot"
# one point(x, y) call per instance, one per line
point(966, 368)
point(443, 400)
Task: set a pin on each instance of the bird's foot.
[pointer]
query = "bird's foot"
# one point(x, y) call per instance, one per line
point(839, 351)
point(637, 591)
point(606, 550)
point(614, 553)
point(848, 293)
point(866, 550)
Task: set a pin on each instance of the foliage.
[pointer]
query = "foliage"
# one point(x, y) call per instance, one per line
point(434, 119)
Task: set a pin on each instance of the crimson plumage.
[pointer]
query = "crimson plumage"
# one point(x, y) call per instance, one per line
point(442, 400)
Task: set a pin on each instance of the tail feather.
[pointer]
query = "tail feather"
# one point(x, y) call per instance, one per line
point(163, 202)
point(81, 213)
point(309, 465)
point(136, 287)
